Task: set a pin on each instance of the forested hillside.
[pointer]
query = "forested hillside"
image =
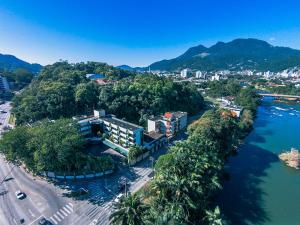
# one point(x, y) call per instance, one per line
point(62, 90)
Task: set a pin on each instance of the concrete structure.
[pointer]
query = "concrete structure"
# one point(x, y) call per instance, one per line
point(94, 76)
point(185, 73)
point(235, 110)
point(228, 105)
point(215, 77)
point(200, 75)
point(153, 140)
point(121, 132)
point(118, 131)
point(169, 123)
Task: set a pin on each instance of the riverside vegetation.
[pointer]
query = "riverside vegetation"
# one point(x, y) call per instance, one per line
point(186, 178)
point(190, 174)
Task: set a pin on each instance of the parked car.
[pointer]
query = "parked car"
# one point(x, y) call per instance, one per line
point(117, 199)
point(20, 195)
point(44, 221)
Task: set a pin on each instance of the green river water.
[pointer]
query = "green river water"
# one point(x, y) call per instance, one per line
point(261, 189)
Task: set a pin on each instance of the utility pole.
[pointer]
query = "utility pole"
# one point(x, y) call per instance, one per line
point(125, 187)
point(7, 174)
point(152, 164)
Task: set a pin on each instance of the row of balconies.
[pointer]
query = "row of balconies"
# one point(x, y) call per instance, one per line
point(115, 127)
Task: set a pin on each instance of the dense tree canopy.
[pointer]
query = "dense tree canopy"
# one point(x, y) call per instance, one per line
point(223, 88)
point(62, 90)
point(18, 78)
point(51, 146)
point(135, 99)
point(189, 175)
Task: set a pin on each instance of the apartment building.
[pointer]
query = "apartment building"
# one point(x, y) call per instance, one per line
point(122, 132)
point(169, 124)
point(119, 131)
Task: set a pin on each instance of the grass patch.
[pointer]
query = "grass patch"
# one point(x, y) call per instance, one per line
point(12, 120)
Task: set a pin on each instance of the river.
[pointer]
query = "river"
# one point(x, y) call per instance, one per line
point(261, 189)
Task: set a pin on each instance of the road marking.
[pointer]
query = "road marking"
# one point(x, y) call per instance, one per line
point(31, 213)
point(54, 221)
point(15, 221)
point(58, 213)
point(36, 219)
point(56, 217)
point(94, 222)
point(70, 208)
point(70, 204)
point(67, 210)
point(63, 212)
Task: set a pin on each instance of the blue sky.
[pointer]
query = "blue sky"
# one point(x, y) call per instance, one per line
point(138, 32)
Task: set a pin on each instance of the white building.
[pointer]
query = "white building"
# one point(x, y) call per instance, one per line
point(122, 132)
point(215, 77)
point(185, 73)
point(169, 124)
point(200, 75)
point(119, 131)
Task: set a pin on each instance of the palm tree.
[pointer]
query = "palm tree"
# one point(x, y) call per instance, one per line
point(130, 210)
point(214, 218)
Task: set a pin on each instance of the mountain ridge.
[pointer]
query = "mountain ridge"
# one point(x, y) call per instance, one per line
point(10, 63)
point(237, 54)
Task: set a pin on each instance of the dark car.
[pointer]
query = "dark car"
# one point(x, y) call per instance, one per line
point(43, 221)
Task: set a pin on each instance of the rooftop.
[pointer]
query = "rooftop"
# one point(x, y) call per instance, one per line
point(152, 136)
point(121, 123)
point(168, 115)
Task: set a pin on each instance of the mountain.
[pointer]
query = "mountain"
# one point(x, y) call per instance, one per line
point(238, 54)
point(129, 68)
point(11, 63)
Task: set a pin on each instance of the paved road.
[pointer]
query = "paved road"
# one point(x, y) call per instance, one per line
point(43, 199)
point(51, 201)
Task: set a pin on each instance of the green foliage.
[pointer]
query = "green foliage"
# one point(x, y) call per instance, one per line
point(239, 54)
point(189, 175)
point(288, 89)
point(134, 152)
point(62, 90)
point(130, 210)
point(246, 121)
point(9, 63)
point(223, 88)
point(214, 217)
point(86, 95)
point(51, 146)
point(248, 99)
point(19, 78)
point(149, 95)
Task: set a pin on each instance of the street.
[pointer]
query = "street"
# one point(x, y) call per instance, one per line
point(52, 200)
point(45, 199)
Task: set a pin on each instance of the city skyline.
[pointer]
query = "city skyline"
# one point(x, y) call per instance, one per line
point(138, 34)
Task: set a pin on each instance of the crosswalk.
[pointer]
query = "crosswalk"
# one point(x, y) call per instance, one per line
point(62, 213)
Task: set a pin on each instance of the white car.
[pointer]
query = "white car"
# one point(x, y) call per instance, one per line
point(119, 196)
point(19, 194)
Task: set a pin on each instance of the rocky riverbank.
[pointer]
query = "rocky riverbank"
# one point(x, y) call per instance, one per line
point(291, 158)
